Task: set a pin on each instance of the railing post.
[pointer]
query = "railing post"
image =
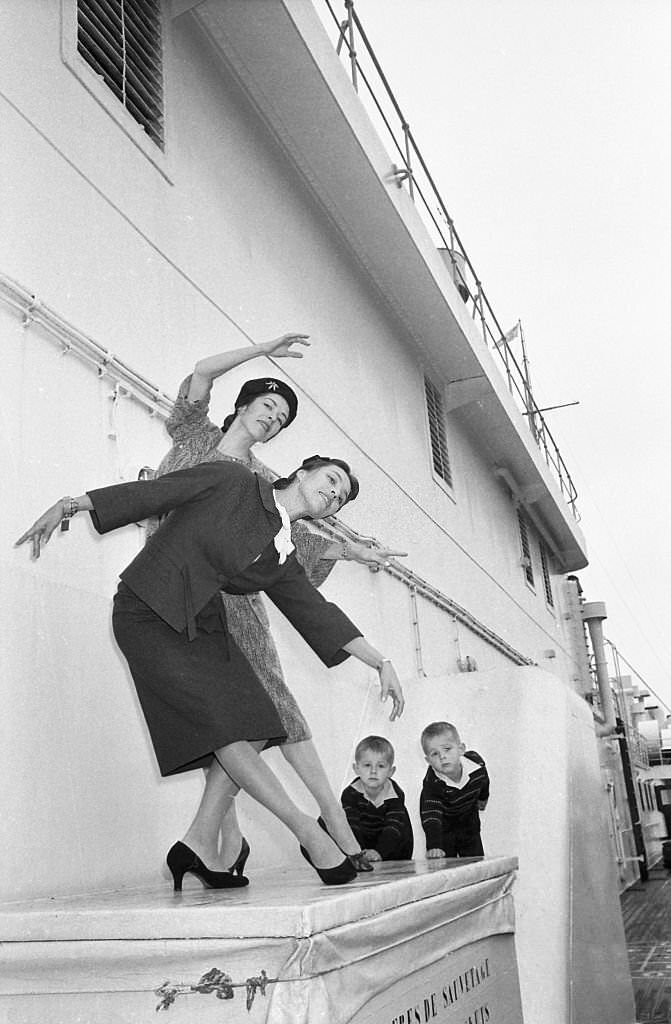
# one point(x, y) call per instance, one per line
point(408, 160)
point(481, 310)
point(349, 6)
point(350, 31)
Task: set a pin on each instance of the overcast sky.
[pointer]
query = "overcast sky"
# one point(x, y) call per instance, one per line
point(545, 124)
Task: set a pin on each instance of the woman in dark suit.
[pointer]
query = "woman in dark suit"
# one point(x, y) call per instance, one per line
point(229, 530)
point(264, 406)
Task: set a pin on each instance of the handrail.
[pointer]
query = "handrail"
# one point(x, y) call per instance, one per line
point(128, 382)
point(131, 383)
point(427, 198)
point(618, 657)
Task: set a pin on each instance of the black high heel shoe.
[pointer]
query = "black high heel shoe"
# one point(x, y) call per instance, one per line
point(181, 859)
point(339, 875)
point(238, 865)
point(358, 860)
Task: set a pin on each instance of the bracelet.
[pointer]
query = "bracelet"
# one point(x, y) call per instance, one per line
point(70, 507)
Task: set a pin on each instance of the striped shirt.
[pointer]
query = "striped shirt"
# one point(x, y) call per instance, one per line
point(444, 808)
point(386, 828)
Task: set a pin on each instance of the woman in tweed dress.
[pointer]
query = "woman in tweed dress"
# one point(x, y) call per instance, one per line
point(263, 407)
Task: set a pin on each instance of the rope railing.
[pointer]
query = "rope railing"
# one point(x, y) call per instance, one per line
point(422, 189)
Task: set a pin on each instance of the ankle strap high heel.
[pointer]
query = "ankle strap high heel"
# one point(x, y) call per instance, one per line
point(359, 860)
point(339, 875)
point(182, 859)
point(238, 865)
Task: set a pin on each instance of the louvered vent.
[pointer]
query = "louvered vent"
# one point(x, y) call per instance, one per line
point(121, 41)
point(436, 414)
point(526, 548)
point(547, 584)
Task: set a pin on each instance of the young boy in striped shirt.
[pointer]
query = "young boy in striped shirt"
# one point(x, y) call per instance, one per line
point(375, 804)
point(454, 791)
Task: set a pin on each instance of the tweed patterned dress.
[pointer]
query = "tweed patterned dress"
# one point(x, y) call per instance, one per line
point(195, 438)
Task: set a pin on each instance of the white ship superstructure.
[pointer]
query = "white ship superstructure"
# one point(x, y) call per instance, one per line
point(227, 188)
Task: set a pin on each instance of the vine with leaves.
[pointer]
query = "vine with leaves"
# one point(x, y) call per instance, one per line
point(214, 982)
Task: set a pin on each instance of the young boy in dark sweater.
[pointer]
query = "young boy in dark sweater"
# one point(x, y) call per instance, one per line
point(375, 804)
point(454, 791)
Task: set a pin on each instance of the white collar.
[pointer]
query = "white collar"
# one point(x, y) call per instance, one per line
point(467, 769)
point(386, 793)
point(282, 539)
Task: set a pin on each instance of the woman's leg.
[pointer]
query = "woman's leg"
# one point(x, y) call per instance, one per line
point(216, 815)
point(305, 761)
point(241, 761)
point(250, 628)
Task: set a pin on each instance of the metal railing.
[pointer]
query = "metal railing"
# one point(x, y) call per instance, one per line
point(644, 751)
point(422, 189)
point(126, 382)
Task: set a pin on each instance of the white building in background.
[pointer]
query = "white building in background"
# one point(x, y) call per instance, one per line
point(202, 178)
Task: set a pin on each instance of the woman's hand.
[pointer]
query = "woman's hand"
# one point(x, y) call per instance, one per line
point(207, 370)
point(391, 686)
point(435, 853)
point(281, 348)
point(389, 681)
point(372, 855)
point(63, 510)
point(372, 556)
point(42, 529)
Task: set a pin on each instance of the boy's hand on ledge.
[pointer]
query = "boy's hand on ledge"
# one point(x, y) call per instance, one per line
point(435, 853)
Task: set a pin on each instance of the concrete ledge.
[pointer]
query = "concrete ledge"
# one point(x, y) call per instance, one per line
point(290, 902)
point(412, 939)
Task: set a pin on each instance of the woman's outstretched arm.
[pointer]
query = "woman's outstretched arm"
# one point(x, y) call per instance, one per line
point(356, 551)
point(122, 504)
point(60, 512)
point(207, 370)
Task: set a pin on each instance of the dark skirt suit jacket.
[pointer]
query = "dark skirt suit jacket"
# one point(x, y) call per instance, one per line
point(197, 690)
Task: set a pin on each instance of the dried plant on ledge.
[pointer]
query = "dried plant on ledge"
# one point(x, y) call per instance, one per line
point(214, 981)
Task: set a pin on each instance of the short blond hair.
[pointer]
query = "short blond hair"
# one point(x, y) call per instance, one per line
point(377, 745)
point(437, 729)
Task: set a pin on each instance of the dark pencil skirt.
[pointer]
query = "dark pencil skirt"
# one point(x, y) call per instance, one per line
point(196, 695)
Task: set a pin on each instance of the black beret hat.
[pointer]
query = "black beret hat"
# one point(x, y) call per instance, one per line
point(269, 386)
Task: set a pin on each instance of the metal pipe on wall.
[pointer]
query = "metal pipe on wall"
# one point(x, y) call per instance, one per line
point(634, 809)
point(593, 614)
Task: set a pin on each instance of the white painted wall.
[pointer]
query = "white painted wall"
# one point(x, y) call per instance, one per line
point(546, 807)
point(162, 270)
